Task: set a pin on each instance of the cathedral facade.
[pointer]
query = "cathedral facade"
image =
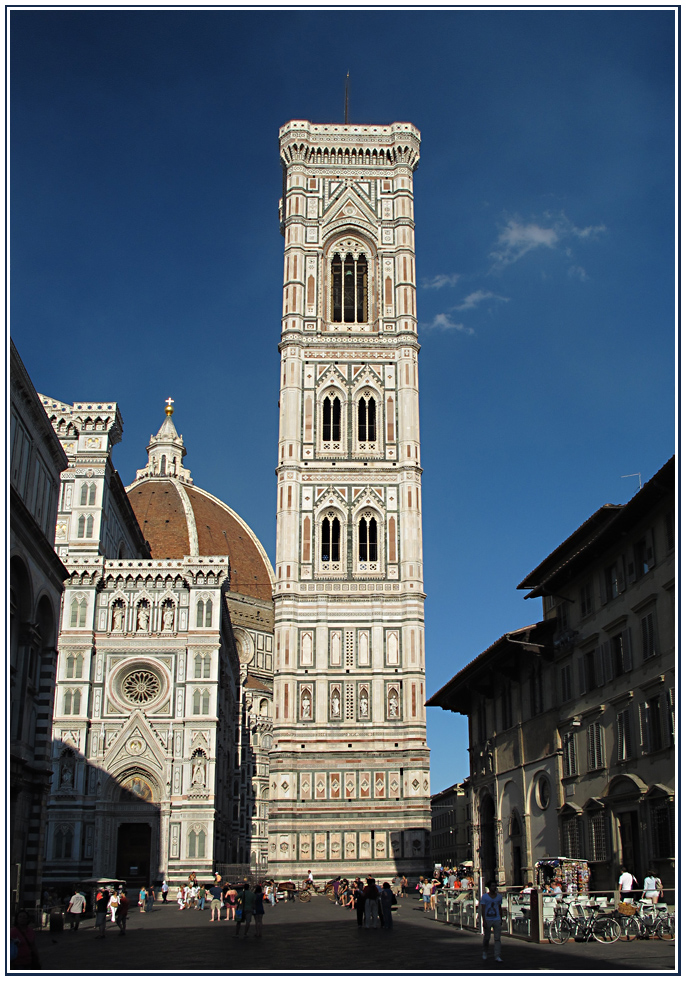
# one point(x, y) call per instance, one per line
point(349, 774)
point(162, 711)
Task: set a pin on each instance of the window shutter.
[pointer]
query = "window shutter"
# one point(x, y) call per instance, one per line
point(650, 548)
point(621, 736)
point(644, 728)
point(671, 712)
point(631, 567)
point(666, 732)
point(627, 659)
point(572, 758)
point(590, 735)
point(621, 583)
point(606, 657)
point(603, 587)
point(599, 662)
point(582, 676)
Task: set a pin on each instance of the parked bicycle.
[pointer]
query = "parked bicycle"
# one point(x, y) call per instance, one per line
point(590, 922)
point(650, 921)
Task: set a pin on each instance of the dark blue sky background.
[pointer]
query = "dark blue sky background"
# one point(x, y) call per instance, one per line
point(146, 259)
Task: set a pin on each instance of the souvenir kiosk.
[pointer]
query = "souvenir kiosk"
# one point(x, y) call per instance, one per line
point(573, 874)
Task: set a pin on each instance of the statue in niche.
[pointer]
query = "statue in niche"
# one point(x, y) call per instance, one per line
point(67, 772)
point(118, 618)
point(364, 704)
point(168, 618)
point(143, 617)
point(393, 704)
point(306, 705)
point(198, 774)
point(335, 704)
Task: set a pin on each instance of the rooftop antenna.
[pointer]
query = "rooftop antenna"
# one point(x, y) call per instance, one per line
point(640, 482)
point(347, 86)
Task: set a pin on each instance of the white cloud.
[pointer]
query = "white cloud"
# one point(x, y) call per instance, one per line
point(517, 238)
point(577, 272)
point(439, 281)
point(478, 296)
point(443, 321)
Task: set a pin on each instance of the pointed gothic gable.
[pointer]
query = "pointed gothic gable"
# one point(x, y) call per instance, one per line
point(349, 206)
point(136, 741)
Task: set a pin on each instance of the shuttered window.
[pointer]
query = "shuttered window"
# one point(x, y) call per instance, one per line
point(596, 746)
point(569, 755)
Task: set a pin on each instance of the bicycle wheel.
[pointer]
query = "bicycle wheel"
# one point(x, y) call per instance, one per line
point(666, 928)
point(304, 895)
point(559, 931)
point(606, 930)
point(630, 927)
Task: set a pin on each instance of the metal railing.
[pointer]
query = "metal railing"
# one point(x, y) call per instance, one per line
point(527, 915)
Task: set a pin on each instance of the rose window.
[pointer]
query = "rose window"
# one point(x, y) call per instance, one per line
point(141, 686)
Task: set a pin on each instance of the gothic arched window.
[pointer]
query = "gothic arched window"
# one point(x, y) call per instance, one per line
point(368, 539)
point(202, 666)
point(366, 419)
point(331, 540)
point(349, 289)
point(89, 526)
point(331, 428)
point(204, 613)
point(78, 612)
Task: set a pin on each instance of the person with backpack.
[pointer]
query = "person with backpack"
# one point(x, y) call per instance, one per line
point(491, 912)
point(371, 905)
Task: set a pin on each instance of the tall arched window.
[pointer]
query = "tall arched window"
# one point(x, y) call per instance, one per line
point(366, 419)
point(79, 608)
point(89, 526)
point(81, 527)
point(331, 540)
point(202, 666)
point(349, 289)
point(368, 540)
point(163, 466)
point(204, 613)
point(331, 428)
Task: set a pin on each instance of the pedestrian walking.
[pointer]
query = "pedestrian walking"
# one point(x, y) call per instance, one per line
point(652, 887)
point(113, 905)
point(102, 899)
point(122, 913)
point(215, 892)
point(23, 951)
point(149, 899)
point(627, 881)
point(491, 910)
point(371, 905)
point(387, 898)
point(246, 904)
point(426, 894)
point(202, 893)
point(142, 897)
point(405, 886)
point(165, 890)
point(76, 906)
point(359, 900)
point(230, 901)
point(259, 910)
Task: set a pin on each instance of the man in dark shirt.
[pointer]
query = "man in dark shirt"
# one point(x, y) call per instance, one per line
point(101, 900)
point(122, 913)
point(215, 892)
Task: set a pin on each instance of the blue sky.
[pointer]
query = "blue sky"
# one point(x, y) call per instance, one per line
point(146, 259)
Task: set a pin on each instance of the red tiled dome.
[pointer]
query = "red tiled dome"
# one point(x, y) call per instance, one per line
point(179, 519)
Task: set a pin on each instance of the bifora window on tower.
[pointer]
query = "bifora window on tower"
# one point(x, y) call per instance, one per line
point(349, 287)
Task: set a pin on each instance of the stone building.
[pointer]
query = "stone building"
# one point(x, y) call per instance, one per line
point(166, 625)
point(571, 720)
point(451, 826)
point(350, 765)
point(36, 577)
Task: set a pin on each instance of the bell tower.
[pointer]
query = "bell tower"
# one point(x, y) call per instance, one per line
point(349, 770)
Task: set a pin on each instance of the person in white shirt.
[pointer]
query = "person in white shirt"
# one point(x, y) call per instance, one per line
point(652, 887)
point(626, 881)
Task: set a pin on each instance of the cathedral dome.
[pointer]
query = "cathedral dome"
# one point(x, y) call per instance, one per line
point(179, 519)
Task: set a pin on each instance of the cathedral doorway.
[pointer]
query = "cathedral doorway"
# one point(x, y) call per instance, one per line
point(133, 853)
